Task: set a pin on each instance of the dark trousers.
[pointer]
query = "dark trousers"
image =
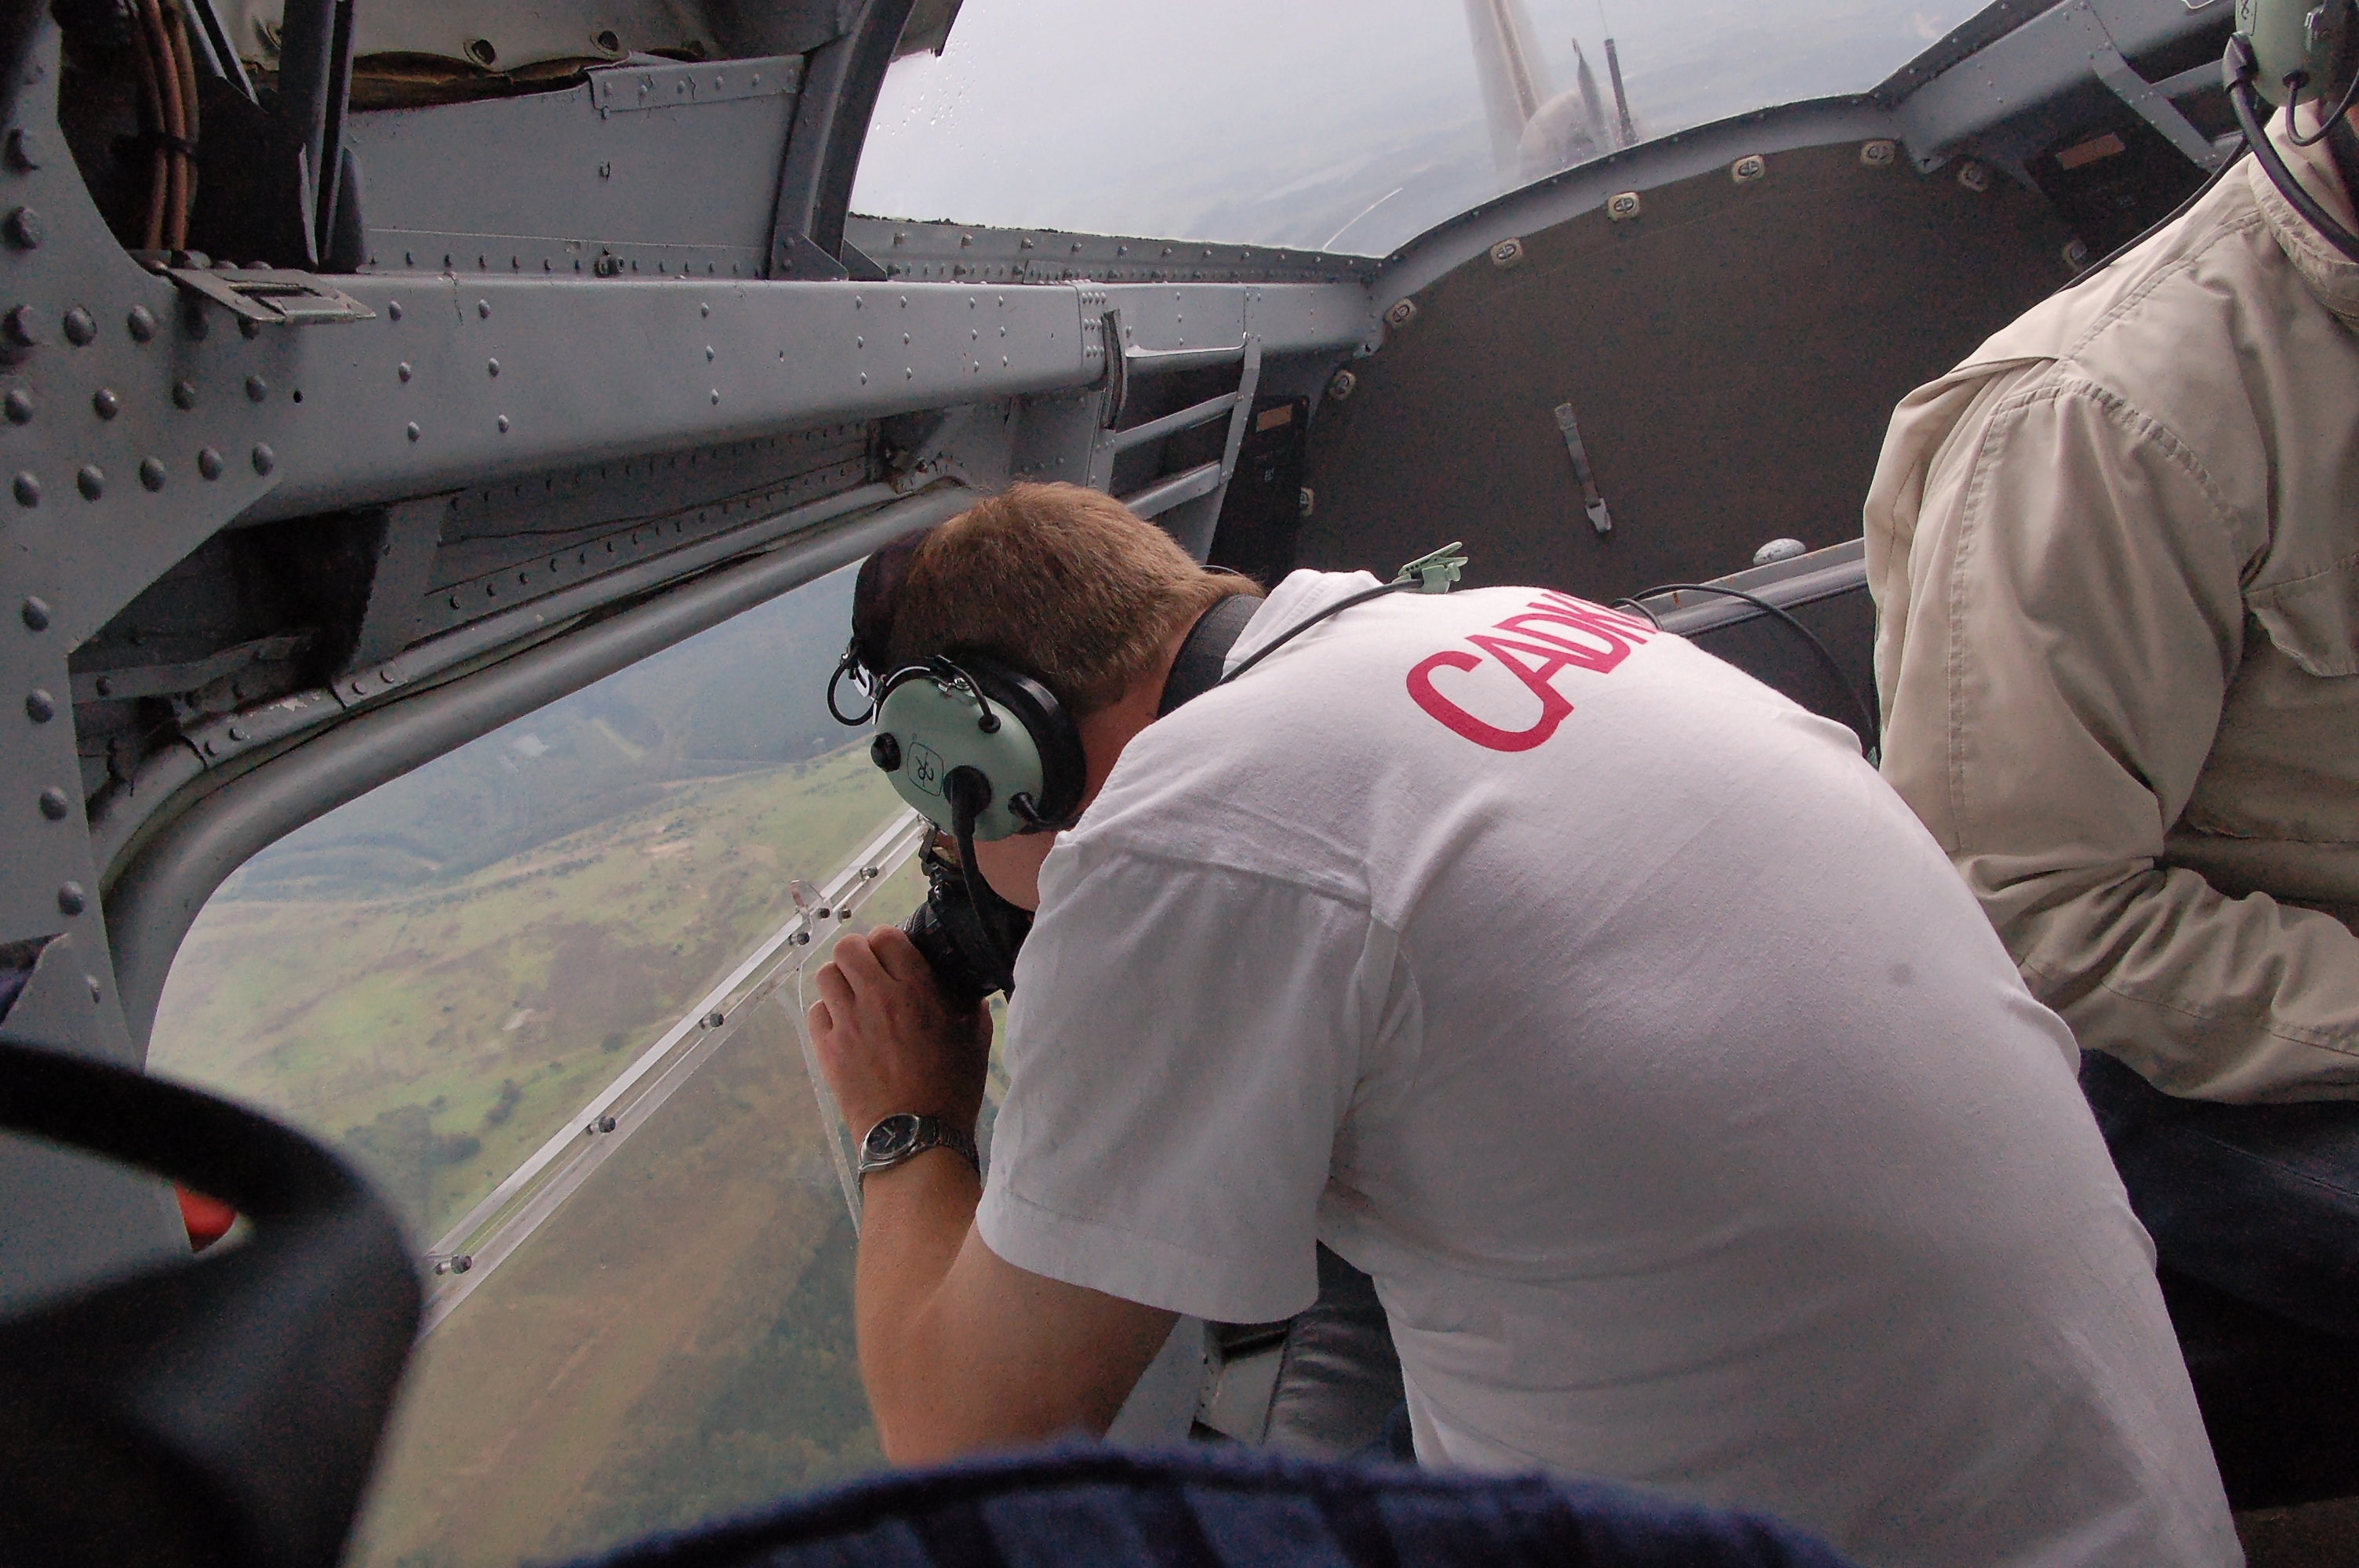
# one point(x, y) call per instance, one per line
point(2258, 1201)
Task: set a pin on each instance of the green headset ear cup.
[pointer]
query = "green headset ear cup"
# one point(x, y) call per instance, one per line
point(2285, 46)
point(1029, 746)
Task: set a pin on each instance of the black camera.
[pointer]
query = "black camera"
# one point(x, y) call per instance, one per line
point(969, 943)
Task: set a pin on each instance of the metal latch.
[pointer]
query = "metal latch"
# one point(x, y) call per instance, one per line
point(271, 295)
point(1591, 502)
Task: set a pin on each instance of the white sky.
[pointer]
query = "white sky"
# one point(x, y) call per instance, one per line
point(1279, 122)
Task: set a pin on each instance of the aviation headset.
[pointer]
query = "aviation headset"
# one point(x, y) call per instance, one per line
point(984, 751)
point(2282, 52)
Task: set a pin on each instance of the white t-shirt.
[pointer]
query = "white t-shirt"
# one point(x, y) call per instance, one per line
point(1611, 1012)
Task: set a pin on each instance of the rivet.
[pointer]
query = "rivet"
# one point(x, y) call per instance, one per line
point(24, 151)
point(35, 613)
point(393, 307)
point(28, 490)
point(503, 424)
point(412, 429)
point(184, 394)
point(20, 404)
point(492, 366)
point(402, 370)
point(55, 804)
point(257, 388)
point(96, 993)
point(82, 327)
point(708, 351)
point(716, 396)
point(484, 309)
point(23, 227)
point(151, 472)
point(104, 403)
point(40, 707)
point(70, 898)
point(19, 328)
point(704, 311)
point(209, 463)
point(237, 734)
point(105, 685)
point(91, 482)
point(265, 459)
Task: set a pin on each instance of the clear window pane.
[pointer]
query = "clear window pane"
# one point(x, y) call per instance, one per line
point(440, 977)
point(1329, 124)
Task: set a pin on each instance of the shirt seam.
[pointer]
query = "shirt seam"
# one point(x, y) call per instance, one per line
point(2005, 422)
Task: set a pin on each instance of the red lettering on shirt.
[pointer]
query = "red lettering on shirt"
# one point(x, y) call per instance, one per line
point(1600, 641)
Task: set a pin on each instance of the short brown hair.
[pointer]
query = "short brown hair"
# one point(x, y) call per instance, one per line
point(1064, 583)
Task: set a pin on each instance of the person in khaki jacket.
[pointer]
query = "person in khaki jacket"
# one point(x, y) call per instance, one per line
point(2115, 560)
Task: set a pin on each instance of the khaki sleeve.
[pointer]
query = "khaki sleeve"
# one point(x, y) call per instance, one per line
point(2072, 618)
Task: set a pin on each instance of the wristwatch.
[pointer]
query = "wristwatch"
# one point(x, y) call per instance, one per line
point(903, 1137)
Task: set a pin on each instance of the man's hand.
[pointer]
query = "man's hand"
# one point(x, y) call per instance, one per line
point(888, 1040)
point(959, 1349)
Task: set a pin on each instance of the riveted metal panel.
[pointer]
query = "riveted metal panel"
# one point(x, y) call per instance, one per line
point(462, 381)
point(570, 183)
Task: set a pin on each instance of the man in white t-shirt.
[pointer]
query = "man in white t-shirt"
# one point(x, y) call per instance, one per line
point(1602, 1005)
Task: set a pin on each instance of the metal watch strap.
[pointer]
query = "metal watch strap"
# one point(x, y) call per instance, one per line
point(931, 1132)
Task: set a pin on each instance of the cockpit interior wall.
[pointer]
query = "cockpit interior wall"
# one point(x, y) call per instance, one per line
point(1729, 352)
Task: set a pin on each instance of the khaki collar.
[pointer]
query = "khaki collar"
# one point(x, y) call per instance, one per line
point(2332, 276)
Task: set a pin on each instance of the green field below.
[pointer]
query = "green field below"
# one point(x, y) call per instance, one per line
point(440, 1034)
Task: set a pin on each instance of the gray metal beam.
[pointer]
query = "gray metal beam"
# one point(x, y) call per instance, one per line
point(160, 893)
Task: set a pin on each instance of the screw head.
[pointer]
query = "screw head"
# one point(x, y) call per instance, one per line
point(82, 330)
point(1748, 169)
point(1622, 206)
point(265, 459)
point(25, 151)
point(140, 323)
point(1507, 253)
point(151, 472)
point(54, 804)
point(1879, 153)
point(28, 489)
point(1973, 175)
point(257, 388)
point(19, 406)
point(70, 898)
point(209, 463)
point(1342, 384)
point(91, 482)
point(21, 328)
point(40, 707)
point(886, 752)
point(2076, 253)
point(104, 403)
point(22, 227)
point(1402, 313)
point(184, 394)
point(35, 613)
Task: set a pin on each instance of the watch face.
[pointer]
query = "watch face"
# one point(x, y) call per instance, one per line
point(889, 1136)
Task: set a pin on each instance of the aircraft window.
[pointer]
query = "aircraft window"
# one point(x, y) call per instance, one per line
point(1334, 126)
point(440, 976)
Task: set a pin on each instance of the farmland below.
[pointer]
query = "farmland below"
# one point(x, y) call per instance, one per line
point(436, 977)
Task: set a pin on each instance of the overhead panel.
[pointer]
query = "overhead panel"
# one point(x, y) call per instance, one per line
point(1733, 344)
